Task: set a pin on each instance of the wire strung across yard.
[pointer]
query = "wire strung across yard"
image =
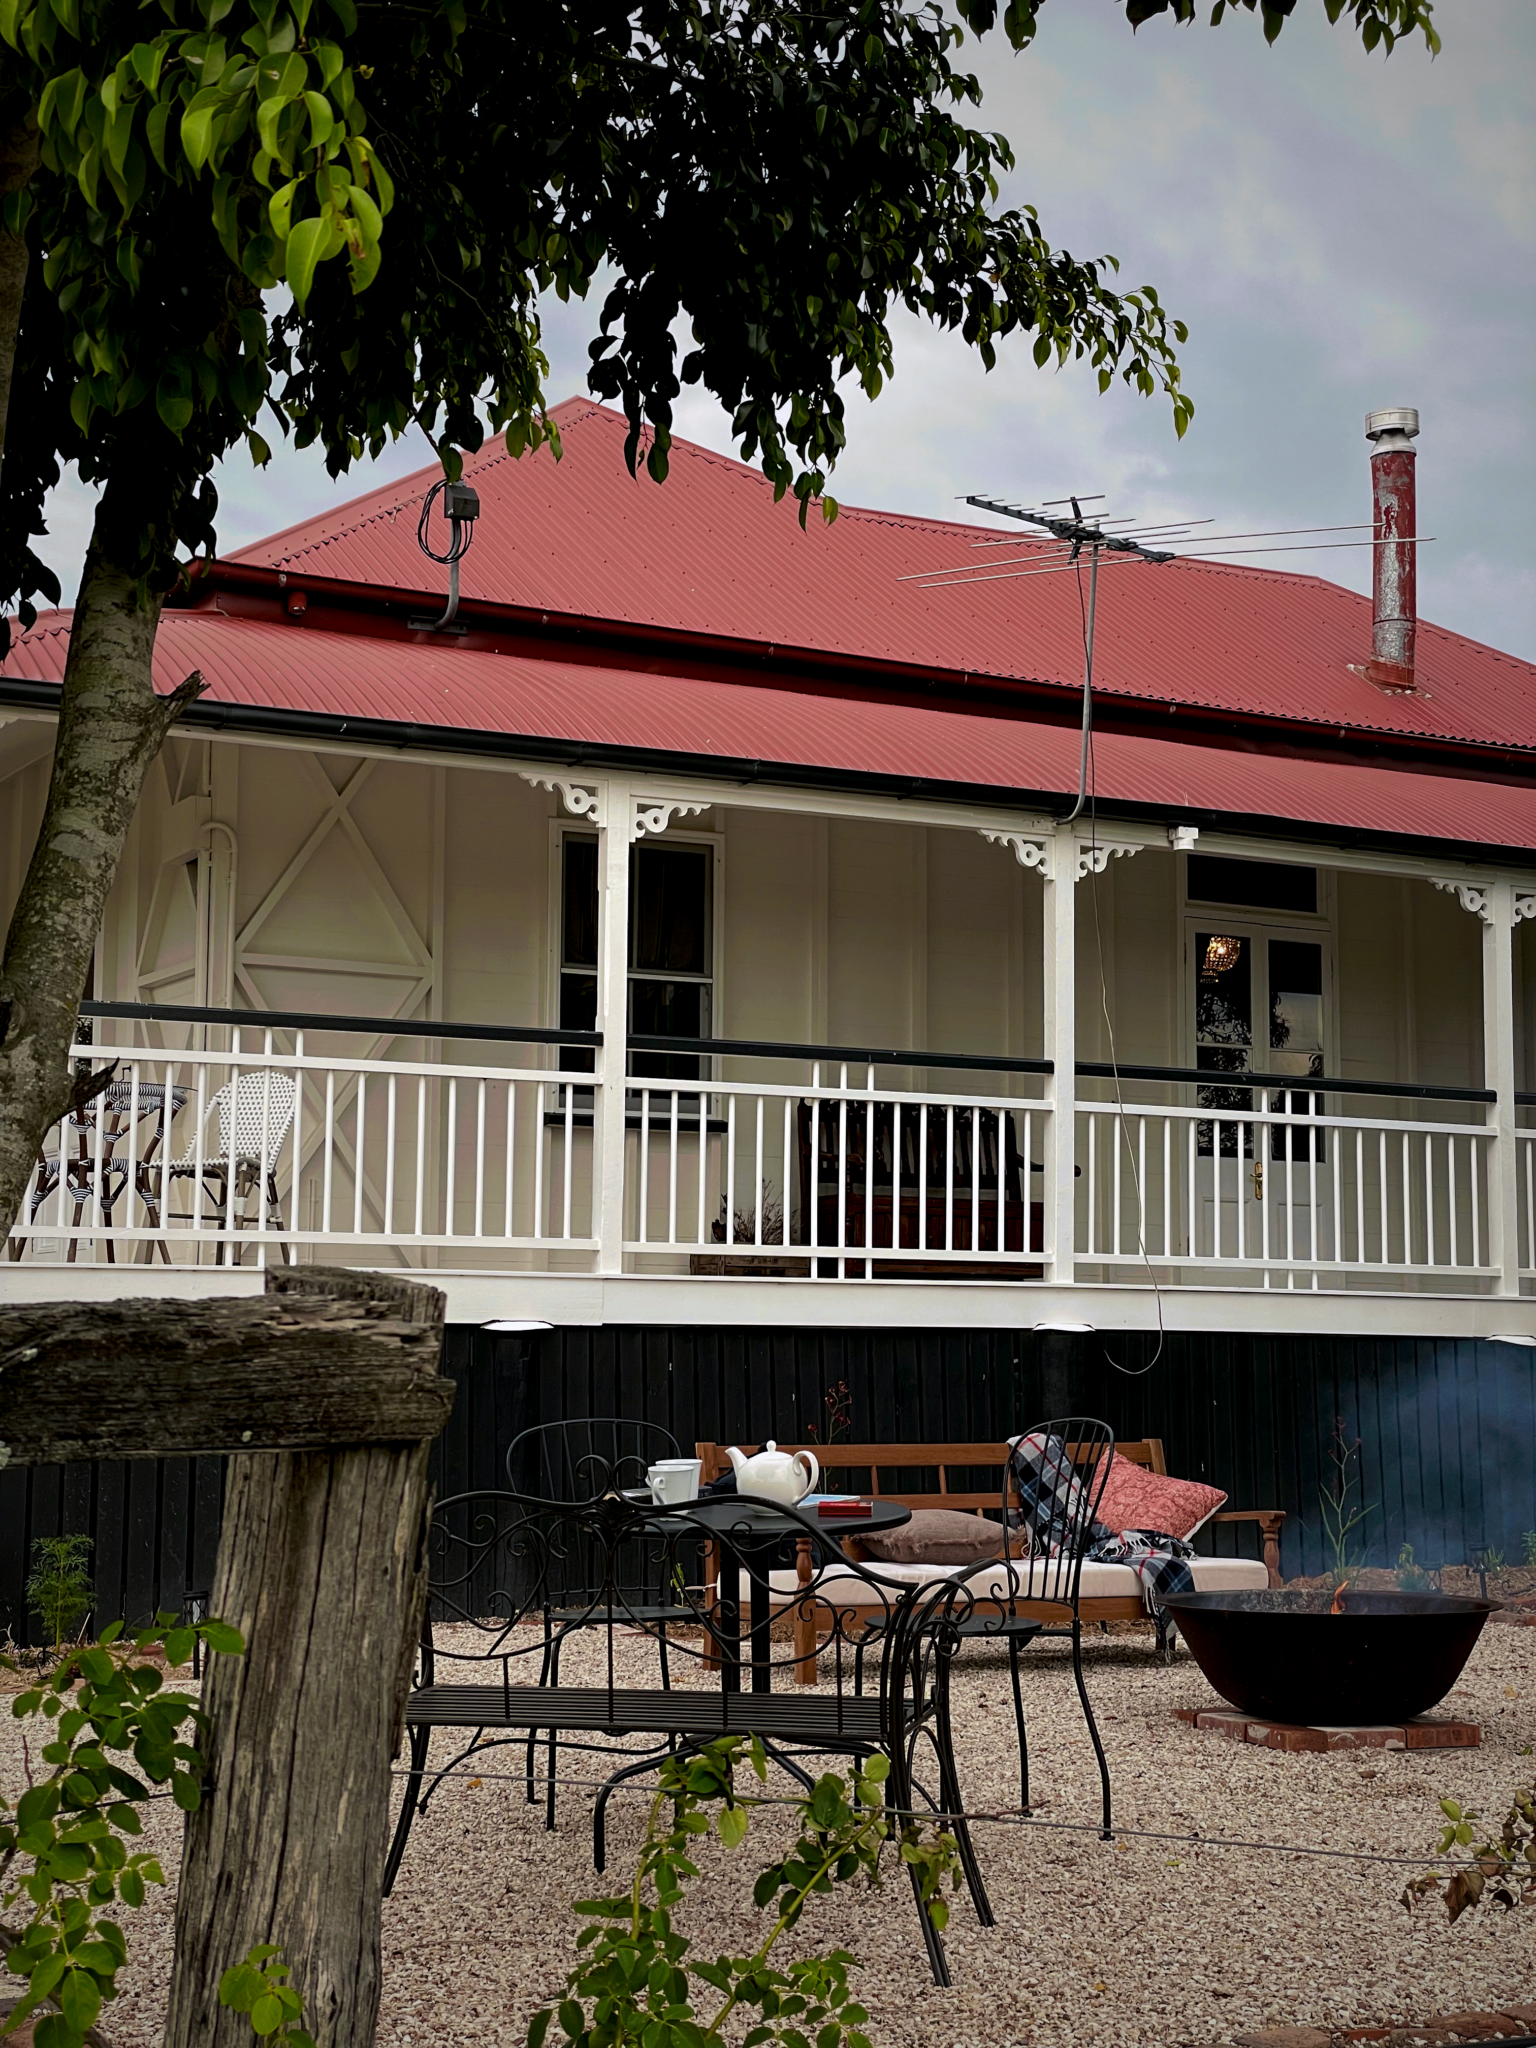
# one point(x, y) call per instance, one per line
point(996, 1819)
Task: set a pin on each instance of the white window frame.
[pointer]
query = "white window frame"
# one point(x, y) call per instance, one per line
point(562, 828)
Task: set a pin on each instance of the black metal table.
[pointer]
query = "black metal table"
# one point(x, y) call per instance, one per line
point(748, 1530)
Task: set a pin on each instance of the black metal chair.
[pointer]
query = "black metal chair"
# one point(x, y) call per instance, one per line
point(580, 1460)
point(1048, 1580)
point(493, 1558)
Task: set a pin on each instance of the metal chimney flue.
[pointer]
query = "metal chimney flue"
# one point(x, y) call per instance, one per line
point(1395, 514)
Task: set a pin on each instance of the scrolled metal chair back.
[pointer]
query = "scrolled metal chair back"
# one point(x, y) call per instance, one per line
point(1052, 1488)
point(585, 1456)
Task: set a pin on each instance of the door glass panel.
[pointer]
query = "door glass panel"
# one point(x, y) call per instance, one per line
point(1223, 1030)
point(1295, 1039)
point(1295, 1007)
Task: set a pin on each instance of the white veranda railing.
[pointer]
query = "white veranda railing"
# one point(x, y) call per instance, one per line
point(1287, 1189)
point(219, 1150)
point(811, 1176)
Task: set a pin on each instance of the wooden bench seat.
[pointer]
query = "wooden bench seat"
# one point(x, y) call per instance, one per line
point(866, 1468)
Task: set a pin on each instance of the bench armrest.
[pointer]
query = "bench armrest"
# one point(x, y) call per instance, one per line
point(1269, 1520)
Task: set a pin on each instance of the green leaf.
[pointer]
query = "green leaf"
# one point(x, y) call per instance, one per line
point(197, 135)
point(173, 400)
point(267, 2014)
point(227, 1640)
point(79, 1999)
point(179, 1643)
point(307, 246)
point(733, 1826)
point(241, 1986)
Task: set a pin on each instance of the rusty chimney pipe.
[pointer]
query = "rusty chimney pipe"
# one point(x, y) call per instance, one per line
point(1395, 515)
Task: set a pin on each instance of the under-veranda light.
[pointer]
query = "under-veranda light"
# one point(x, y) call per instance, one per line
point(1221, 953)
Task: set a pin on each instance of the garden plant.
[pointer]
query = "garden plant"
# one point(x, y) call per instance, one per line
point(67, 1857)
point(638, 1981)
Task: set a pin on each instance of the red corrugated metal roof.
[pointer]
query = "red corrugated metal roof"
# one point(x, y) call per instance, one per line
point(708, 552)
point(303, 668)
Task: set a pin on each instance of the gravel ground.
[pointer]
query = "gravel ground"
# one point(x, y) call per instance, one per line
point(1095, 1944)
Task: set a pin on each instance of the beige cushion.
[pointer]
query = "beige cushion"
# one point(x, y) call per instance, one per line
point(991, 1582)
point(941, 1536)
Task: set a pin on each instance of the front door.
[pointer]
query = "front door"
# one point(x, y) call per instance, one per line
point(1259, 1006)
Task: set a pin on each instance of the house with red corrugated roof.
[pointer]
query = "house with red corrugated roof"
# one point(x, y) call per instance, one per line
point(690, 946)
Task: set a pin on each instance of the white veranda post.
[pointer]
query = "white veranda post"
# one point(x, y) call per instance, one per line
point(1499, 1075)
point(614, 836)
point(1060, 921)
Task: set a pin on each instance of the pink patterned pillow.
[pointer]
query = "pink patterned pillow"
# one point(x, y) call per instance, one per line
point(1135, 1498)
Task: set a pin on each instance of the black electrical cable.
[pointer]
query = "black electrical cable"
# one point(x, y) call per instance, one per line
point(461, 532)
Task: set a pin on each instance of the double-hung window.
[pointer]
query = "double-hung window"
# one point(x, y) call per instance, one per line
point(671, 952)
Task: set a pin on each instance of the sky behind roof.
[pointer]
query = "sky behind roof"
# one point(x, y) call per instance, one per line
point(1340, 231)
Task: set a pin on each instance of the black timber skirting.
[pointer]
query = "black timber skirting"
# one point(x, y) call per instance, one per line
point(1448, 1430)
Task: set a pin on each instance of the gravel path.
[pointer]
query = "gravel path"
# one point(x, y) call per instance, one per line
point(1095, 1944)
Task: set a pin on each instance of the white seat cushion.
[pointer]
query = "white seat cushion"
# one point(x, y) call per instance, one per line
point(991, 1581)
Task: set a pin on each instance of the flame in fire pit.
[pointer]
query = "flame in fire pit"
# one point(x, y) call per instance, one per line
point(1338, 1598)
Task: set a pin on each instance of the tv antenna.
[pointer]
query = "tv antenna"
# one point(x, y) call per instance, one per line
point(1073, 535)
point(1120, 541)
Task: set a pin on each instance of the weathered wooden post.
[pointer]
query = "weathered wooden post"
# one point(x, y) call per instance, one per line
point(327, 1391)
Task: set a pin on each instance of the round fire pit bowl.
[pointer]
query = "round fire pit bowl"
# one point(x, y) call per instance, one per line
point(1283, 1656)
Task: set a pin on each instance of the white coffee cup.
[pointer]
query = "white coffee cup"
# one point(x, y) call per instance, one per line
point(674, 1481)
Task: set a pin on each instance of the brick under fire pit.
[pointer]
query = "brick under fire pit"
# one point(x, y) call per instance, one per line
point(1421, 1733)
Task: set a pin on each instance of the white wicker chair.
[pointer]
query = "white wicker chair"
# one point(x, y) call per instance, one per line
point(261, 1106)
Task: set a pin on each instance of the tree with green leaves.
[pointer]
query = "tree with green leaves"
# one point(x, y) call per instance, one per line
point(175, 183)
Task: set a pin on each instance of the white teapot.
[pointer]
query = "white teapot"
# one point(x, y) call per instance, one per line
point(774, 1474)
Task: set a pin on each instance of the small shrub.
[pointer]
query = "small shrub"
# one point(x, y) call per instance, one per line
point(260, 1987)
point(1338, 1503)
point(1528, 1545)
point(68, 1855)
point(1500, 1869)
point(1410, 1577)
point(59, 1588)
point(636, 1982)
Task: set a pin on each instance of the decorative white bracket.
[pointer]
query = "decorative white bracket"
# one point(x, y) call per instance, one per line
point(580, 801)
point(1525, 906)
point(1029, 853)
point(656, 817)
point(1093, 860)
point(1471, 896)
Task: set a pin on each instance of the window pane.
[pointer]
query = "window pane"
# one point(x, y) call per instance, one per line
point(579, 918)
point(578, 1012)
point(669, 909)
point(1223, 989)
point(668, 1009)
point(1212, 878)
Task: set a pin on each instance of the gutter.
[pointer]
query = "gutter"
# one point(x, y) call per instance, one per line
point(327, 728)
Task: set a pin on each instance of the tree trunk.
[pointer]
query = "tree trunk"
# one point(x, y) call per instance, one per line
point(322, 1568)
point(111, 726)
point(19, 143)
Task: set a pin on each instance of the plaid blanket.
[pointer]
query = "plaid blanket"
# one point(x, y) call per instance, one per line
point(1055, 1514)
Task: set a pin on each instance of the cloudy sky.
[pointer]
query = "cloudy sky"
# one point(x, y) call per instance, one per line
point(1339, 231)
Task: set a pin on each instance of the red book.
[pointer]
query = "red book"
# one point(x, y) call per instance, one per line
point(832, 1510)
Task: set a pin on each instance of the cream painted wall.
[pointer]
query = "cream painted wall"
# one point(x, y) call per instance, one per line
point(1409, 983)
point(833, 930)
